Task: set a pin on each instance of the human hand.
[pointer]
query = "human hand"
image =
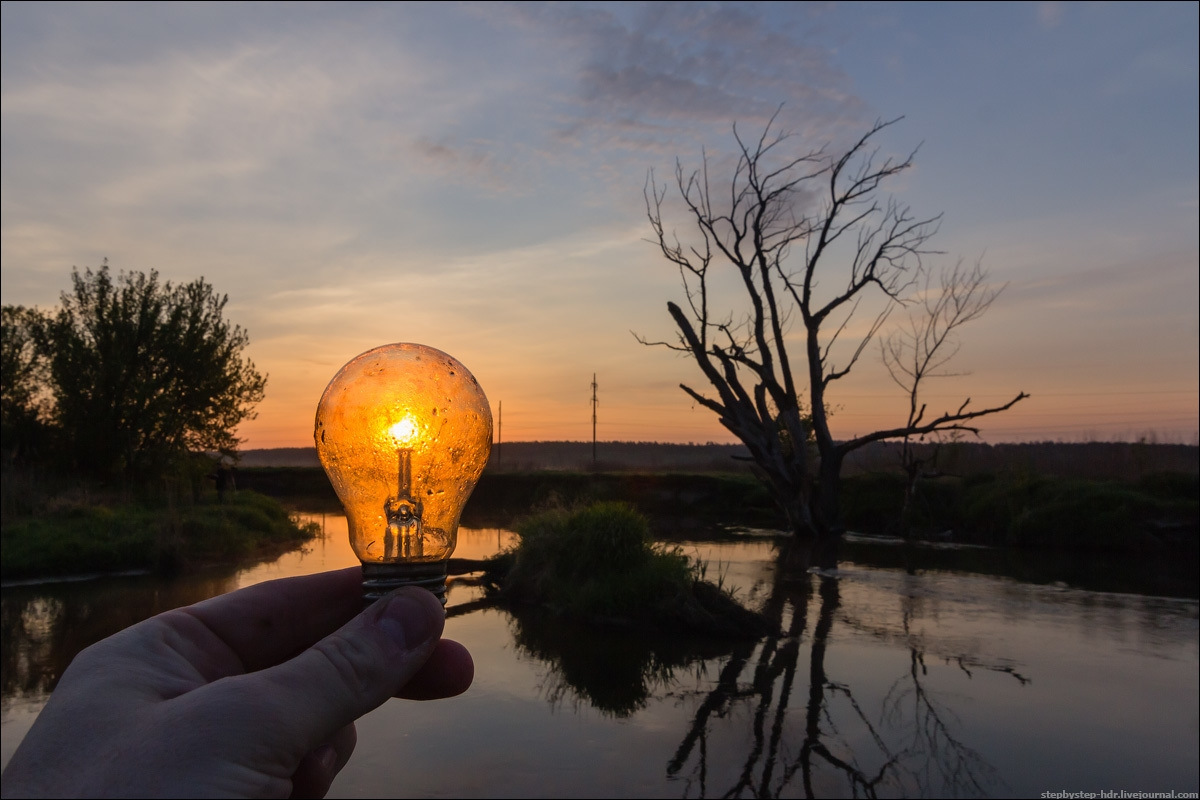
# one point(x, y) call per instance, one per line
point(250, 694)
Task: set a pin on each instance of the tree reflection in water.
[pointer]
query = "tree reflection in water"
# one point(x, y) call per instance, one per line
point(42, 628)
point(908, 744)
point(911, 747)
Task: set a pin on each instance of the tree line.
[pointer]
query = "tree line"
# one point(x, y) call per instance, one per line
point(128, 377)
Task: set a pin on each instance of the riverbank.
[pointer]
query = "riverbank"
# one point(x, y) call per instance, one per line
point(1158, 514)
point(102, 538)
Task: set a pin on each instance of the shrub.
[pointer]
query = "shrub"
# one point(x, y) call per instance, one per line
point(600, 564)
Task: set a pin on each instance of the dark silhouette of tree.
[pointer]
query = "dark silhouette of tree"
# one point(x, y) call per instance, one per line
point(793, 241)
point(143, 373)
point(23, 401)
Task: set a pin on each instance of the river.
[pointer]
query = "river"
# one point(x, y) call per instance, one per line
point(892, 677)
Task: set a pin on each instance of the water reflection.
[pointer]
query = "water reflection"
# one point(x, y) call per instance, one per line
point(819, 739)
point(614, 672)
point(894, 678)
point(880, 684)
point(42, 628)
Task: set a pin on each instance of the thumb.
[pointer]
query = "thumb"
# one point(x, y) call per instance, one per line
point(353, 670)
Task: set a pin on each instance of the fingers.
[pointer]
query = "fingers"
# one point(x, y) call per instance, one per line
point(316, 772)
point(355, 669)
point(271, 622)
point(448, 672)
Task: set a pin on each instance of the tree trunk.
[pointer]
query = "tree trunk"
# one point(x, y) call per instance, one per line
point(810, 546)
point(828, 516)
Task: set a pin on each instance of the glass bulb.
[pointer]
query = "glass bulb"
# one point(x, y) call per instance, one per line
point(403, 432)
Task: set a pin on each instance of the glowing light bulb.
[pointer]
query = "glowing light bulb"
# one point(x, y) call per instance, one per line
point(403, 432)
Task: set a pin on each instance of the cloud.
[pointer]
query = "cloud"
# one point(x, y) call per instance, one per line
point(644, 77)
point(477, 162)
point(1049, 15)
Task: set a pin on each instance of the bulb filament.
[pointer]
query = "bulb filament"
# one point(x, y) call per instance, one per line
point(403, 539)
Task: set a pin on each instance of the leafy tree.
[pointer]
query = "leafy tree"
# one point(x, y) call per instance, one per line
point(782, 254)
point(23, 402)
point(144, 372)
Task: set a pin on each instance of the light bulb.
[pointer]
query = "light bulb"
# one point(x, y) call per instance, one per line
point(403, 432)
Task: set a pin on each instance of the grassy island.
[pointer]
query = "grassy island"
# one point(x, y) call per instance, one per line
point(599, 564)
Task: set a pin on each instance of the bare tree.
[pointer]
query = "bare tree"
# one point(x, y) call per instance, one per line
point(923, 345)
point(780, 226)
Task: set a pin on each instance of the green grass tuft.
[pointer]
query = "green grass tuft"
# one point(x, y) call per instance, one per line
point(600, 564)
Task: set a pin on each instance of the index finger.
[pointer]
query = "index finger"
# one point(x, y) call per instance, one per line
point(270, 622)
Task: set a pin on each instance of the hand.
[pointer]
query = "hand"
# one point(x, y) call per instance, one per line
point(250, 694)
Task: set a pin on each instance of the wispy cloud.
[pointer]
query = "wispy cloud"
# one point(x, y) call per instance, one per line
point(642, 76)
point(1049, 14)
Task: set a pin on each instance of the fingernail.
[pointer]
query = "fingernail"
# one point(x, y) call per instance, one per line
point(408, 617)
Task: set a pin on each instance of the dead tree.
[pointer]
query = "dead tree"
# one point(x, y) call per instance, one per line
point(779, 226)
point(921, 348)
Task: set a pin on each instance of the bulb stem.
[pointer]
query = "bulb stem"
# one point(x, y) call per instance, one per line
point(382, 579)
point(405, 473)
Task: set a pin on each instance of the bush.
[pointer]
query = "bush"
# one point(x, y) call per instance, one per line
point(601, 538)
point(600, 564)
point(598, 560)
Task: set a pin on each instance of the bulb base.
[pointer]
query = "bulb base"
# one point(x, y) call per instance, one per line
point(381, 579)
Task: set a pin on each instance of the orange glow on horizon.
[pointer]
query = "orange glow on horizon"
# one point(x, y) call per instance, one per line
point(1166, 416)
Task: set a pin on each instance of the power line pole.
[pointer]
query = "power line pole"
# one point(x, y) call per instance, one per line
point(595, 403)
point(500, 434)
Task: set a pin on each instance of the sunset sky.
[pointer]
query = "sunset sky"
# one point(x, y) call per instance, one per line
point(470, 176)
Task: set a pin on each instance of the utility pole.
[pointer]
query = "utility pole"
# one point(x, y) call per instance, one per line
point(595, 403)
point(500, 434)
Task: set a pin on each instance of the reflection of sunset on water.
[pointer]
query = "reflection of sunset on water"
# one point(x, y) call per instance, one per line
point(332, 550)
point(1008, 682)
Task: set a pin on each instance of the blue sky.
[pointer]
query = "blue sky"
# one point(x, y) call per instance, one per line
point(470, 176)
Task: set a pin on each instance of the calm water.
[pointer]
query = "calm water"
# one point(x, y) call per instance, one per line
point(887, 681)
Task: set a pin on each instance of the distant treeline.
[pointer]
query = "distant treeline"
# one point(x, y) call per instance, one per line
point(1097, 460)
point(1130, 461)
point(574, 456)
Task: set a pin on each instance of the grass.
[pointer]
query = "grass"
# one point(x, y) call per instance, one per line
point(98, 537)
point(599, 564)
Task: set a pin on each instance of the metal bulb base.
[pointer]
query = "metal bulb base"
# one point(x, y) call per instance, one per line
point(382, 579)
